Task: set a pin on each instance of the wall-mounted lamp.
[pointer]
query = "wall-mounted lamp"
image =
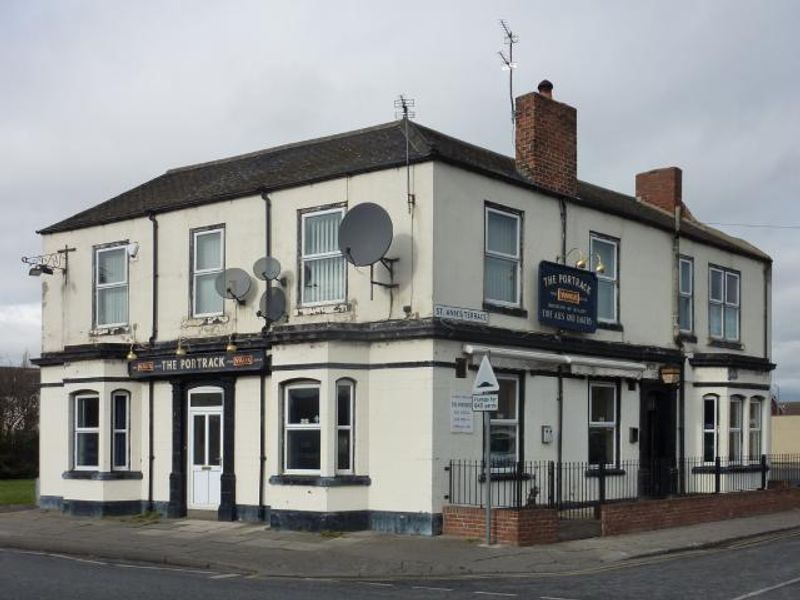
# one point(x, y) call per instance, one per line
point(670, 374)
point(47, 264)
point(181, 349)
point(231, 347)
point(584, 259)
point(131, 354)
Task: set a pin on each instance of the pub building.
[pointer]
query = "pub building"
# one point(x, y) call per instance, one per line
point(332, 392)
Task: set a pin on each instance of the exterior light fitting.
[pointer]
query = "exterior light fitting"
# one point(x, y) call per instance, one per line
point(583, 260)
point(35, 271)
point(180, 350)
point(231, 347)
point(131, 354)
point(670, 374)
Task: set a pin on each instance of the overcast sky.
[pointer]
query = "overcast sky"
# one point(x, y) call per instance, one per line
point(99, 96)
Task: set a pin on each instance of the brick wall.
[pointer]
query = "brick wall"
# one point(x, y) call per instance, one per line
point(514, 527)
point(661, 187)
point(546, 143)
point(628, 517)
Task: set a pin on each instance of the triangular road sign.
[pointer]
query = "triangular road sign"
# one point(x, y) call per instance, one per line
point(485, 381)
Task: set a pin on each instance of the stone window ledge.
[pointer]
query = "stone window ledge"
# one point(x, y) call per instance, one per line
point(323, 309)
point(102, 475)
point(319, 481)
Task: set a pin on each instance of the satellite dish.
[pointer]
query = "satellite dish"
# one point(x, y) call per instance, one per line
point(267, 268)
point(276, 307)
point(233, 284)
point(365, 234)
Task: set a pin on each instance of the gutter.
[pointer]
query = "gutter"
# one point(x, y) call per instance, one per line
point(154, 325)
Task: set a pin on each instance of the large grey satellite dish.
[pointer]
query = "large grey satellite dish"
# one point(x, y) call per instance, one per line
point(233, 283)
point(365, 234)
point(267, 268)
point(275, 308)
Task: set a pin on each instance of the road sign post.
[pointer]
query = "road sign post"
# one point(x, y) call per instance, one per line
point(485, 400)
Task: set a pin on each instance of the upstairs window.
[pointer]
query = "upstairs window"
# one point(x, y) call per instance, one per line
point(723, 304)
point(323, 266)
point(111, 286)
point(208, 261)
point(606, 250)
point(602, 423)
point(686, 295)
point(86, 430)
point(502, 258)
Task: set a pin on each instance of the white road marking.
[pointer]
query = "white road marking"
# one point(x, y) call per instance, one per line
point(496, 594)
point(224, 576)
point(768, 589)
point(155, 568)
point(376, 584)
point(554, 598)
point(432, 589)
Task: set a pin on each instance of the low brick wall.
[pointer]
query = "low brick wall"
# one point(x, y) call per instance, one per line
point(645, 515)
point(513, 527)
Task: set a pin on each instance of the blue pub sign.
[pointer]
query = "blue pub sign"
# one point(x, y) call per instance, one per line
point(567, 297)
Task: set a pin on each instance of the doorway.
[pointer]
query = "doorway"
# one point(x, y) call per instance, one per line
point(657, 441)
point(205, 448)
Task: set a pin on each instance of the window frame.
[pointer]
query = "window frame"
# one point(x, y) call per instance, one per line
point(99, 287)
point(516, 422)
point(126, 431)
point(705, 431)
point(302, 257)
point(518, 216)
point(349, 427)
point(739, 401)
point(614, 424)
point(615, 242)
point(290, 427)
point(78, 431)
point(195, 272)
point(686, 260)
point(724, 303)
point(755, 400)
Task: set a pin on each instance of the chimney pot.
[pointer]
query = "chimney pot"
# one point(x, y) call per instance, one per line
point(546, 88)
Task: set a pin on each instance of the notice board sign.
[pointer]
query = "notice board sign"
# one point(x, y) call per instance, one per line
point(567, 297)
point(461, 420)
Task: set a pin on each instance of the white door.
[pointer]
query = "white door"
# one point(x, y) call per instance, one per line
point(205, 447)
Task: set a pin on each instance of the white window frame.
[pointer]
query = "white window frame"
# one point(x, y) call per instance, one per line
point(320, 256)
point(78, 431)
point(736, 403)
point(515, 258)
point(289, 427)
point(683, 293)
point(348, 427)
point(115, 431)
point(759, 401)
point(609, 425)
point(705, 431)
point(199, 272)
point(724, 303)
point(99, 287)
point(596, 237)
point(514, 422)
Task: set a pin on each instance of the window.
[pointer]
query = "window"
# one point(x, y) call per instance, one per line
point(501, 260)
point(504, 424)
point(602, 423)
point(301, 452)
point(685, 295)
point(208, 261)
point(735, 429)
point(709, 428)
point(111, 286)
point(344, 427)
point(605, 250)
point(324, 268)
point(120, 418)
point(86, 428)
point(754, 428)
point(723, 304)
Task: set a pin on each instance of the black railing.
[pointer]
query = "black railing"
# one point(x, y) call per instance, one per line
point(576, 489)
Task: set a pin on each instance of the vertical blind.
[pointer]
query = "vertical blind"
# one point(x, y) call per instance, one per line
point(208, 263)
point(111, 285)
point(323, 263)
point(501, 261)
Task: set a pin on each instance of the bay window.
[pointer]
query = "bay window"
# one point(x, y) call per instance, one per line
point(602, 423)
point(754, 428)
point(710, 428)
point(344, 427)
point(86, 431)
point(502, 257)
point(323, 266)
point(504, 424)
point(111, 286)
point(120, 419)
point(723, 304)
point(735, 429)
point(208, 261)
point(301, 440)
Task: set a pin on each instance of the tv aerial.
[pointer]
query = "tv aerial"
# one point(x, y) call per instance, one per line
point(272, 305)
point(365, 235)
point(233, 284)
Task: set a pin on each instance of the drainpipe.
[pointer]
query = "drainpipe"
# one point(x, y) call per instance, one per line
point(560, 433)
point(676, 256)
point(767, 327)
point(150, 455)
point(265, 333)
point(154, 330)
point(563, 210)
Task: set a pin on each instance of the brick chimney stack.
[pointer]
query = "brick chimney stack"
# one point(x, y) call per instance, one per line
point(546, 141)
point(661, 187)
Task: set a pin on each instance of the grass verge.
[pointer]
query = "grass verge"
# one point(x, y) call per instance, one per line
point(17, 491)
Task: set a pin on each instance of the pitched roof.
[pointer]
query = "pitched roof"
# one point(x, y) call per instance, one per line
point(360, 151)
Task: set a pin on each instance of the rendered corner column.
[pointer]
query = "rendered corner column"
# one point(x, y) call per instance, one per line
point(227, 505)
point(177, 478)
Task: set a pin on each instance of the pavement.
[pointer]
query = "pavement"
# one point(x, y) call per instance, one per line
point(255, 549)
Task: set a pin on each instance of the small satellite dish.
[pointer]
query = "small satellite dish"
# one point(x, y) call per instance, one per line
point(267, 268)
point(276, 307)
point(365, 234)
point(233, 283)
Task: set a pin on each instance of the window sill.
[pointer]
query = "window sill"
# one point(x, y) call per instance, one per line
point(610, 326)
point(687, 337)
point(118, 330)
point(729, 345)
point(319, 481)
point(209, 320)
point(610, 472)
point(513, 311)
point(323, 309)
point(102, 475)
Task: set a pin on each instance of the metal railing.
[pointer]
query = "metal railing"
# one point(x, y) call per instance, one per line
point(576, 489)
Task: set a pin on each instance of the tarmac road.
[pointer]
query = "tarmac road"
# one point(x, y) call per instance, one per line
point(764, 569)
